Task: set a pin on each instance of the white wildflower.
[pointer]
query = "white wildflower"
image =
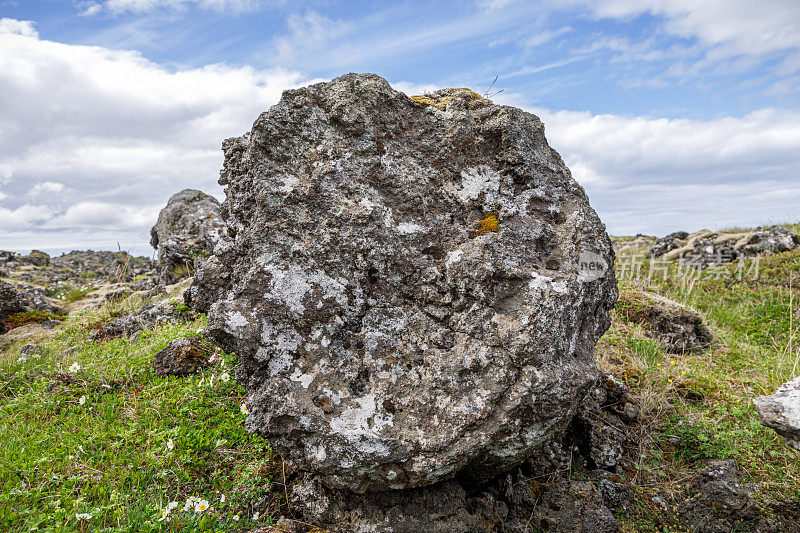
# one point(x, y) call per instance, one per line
point(256, 515)
point(191, 502)
point(201, 506)
point(243, 409)
point(222, 498)
point(225, 377)
point(170, 444)
point(83, 516)
point(74, 367)
point(168, 509)
point(82, 400)
point(235, 518)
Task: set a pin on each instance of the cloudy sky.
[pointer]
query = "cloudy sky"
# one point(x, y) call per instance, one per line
point(673, 114)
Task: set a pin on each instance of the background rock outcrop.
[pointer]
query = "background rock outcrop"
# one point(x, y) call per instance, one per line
point(186, 233)
point(414, 287)
point(708, 249)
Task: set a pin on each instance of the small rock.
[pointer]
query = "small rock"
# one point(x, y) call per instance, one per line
point(679, 328)
point(781, 411)
point(661, 502)
point(720, 504)
point(615, 490)
point(182, 357)
point(188, 230)
point(31, 349)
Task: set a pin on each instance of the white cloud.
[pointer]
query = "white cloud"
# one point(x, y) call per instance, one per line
point(748, 27)
point(113, 134)
point(142, 6)
point(46, 187)
point(18, 27)
point(649, 174)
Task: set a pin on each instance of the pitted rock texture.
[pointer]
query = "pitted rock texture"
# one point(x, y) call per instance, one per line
point(679, 328)
point(781, 411)
point(188, 230)
point(403, 288)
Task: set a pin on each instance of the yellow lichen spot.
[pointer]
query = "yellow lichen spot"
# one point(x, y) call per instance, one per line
point(441, 98)
point(485, 225)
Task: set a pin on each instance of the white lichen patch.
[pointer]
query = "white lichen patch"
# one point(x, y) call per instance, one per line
point(304, 379)
point(291, 285)
point(361, 425)
point(453, 257)
point(542, 283)
point(409, 228)
point(278, 345)
point(288, 183)
point(476, 181)
point(236, 320)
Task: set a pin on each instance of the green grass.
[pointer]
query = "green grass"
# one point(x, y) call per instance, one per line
point(698, 406)
point(96, 440)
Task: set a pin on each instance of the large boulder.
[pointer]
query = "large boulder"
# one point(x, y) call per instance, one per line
point(781, 411)
point(414, 288)
point(186, 233)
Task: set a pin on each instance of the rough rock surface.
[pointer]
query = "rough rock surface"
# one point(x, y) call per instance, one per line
point(186, 233)
point(182, 357)
point(707, 249)
point(720, 503)
point(679, 328)
point(540, 494)
point(11, 302)
point(413, 292)
point(781, 411)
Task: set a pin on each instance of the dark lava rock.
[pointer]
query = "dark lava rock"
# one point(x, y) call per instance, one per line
point(187, 232)
point(720, 504)
point(573, 507)
point(668, 243)
point(679, 328)
point(415, 286)
point(11, 302)
point(182, 357)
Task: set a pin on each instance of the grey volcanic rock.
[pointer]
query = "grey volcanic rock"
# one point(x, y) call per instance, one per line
point(679, 328)
point(720, 503)
point(11, 302)
point(781, 411)
point(414, 288)
point(186, 233)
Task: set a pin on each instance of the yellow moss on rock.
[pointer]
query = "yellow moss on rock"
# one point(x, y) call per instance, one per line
point(485, 225)
point(441, 98)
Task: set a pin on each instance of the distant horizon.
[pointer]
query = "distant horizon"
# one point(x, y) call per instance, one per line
point(671, 114)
